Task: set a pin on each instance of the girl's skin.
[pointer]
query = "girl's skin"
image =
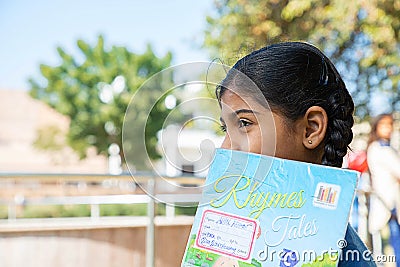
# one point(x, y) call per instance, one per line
point(384, 128)
point(251, 127)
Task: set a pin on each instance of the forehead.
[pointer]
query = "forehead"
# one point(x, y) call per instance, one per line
point(234, 100)
point(386, 120)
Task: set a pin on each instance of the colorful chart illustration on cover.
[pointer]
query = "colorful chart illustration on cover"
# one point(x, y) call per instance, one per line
point(264, 211)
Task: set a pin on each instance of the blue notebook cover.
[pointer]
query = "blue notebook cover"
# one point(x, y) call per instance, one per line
point(264, 211)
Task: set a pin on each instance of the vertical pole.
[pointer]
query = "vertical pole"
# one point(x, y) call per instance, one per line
point(12, 212)
point(150, 226)
point(94, 211)
point(170, 210)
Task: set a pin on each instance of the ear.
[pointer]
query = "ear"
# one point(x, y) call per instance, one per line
point(315, 122)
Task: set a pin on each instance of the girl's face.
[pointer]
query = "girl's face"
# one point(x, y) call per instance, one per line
point(384, 128)
point(250, 127)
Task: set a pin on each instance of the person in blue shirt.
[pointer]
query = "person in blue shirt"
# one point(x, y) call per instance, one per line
point(288, 100)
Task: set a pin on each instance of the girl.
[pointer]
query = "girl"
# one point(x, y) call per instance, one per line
point(384, 165)
point(298, 96)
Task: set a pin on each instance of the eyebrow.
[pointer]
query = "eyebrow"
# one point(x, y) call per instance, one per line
point(241, 111)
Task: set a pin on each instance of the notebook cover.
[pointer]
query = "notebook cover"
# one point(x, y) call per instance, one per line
point(264, 211)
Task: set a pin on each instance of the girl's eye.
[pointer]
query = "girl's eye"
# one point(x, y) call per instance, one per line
point(244, 123)
point(223, 128)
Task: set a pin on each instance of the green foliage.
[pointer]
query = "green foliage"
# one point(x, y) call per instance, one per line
point(361, 37)
point(123, 210)
point(95, 92)
point(59, 211)
point(190, 211)
point(49, 138)
point(129, 210)
point(3, 212)
point(56, 211)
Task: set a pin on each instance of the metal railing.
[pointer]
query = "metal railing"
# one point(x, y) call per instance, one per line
point(150, 199)
point(37, 184)
point(96, 201)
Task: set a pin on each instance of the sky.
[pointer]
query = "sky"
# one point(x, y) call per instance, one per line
point(32, 30)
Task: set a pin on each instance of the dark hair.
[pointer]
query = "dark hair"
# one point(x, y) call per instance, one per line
point(293, 76)
point(374, 125)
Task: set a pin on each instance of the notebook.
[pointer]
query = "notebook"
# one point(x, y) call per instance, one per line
point(258, 210)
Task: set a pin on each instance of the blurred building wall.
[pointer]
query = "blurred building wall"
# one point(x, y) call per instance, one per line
point(84, 245)
point(20, 119)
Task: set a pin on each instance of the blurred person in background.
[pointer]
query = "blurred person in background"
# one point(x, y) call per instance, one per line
point(384, 165)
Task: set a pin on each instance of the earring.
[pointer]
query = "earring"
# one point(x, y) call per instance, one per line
point(310, 142)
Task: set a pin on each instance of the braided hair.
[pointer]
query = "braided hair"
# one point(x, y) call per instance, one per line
point(293, 76)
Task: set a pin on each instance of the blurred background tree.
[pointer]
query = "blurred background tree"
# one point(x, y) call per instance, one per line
point(94, 90)
point(360, 36)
